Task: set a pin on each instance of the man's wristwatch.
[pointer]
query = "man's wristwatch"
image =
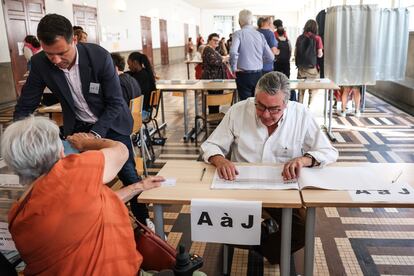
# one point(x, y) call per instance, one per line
point(312, 158)
point(97, 136)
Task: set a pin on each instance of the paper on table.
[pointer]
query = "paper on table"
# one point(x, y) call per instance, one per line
point(9, 180)
point(346, 178)
point(169, 182)
point(402, 192)
point(255, 177)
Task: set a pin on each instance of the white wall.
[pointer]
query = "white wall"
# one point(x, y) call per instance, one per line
point(4, 47)
point(121, 30)
point(65, 7)
point(289, 18)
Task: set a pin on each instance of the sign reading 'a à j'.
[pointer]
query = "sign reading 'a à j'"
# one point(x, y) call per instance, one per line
point(226, 221)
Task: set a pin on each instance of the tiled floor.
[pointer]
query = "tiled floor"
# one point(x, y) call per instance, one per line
point(349, 241)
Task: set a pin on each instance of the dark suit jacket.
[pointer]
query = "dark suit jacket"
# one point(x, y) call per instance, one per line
point(95, 66)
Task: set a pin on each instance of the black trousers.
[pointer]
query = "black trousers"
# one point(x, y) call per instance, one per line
point(270, 245)
point(246, 83)
point(283, 67)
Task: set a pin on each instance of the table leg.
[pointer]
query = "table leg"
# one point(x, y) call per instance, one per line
point(162, 107)
point(186, 136)
point(309, 240)
point(188, 70)
point(325, 109)
point(363, 91)
point(285, 250)
point(329, 128)
point(159, 221)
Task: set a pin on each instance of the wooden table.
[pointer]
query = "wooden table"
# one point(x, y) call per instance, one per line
point(190, 187)
point(188, 62)
point(195, 86)
point(54, 111)
point(327, 85)
point(324, 198)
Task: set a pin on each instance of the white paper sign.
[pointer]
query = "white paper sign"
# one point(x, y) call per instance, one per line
point(401, 192)
point(169, 182)
point(6, 242)
point(226, 221)
point(9, 180)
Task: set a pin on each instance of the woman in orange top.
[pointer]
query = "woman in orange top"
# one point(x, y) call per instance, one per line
point(67, 221)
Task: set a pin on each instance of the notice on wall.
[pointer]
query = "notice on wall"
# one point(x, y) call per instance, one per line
point(399, 192)
point(226, 221)
point(6, 242)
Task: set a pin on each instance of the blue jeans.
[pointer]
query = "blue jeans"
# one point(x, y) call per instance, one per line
point(246, 83)
point(128, 175)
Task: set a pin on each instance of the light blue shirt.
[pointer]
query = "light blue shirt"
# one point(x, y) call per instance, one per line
point(249, 49)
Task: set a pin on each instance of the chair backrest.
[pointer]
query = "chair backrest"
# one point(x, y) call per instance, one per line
point(135, 105)
point(219, 99)
point(154, 104)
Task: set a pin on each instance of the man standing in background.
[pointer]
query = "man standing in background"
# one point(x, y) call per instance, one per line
point(248, 52)
point(263, 24)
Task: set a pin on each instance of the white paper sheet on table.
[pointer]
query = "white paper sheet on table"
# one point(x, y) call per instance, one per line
point(255, 177)
point(169, 182)
point(399, 192)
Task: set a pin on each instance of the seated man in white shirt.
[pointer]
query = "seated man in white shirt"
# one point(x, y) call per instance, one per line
point(270, 129)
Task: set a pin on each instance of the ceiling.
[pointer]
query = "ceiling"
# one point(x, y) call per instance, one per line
point(282, 5)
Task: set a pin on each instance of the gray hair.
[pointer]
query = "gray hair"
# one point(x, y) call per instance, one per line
point(274, 82)
point(31, 147)
point(245, 18)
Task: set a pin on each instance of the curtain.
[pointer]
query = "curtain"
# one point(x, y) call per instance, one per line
point(364, 43)
point(392, 44)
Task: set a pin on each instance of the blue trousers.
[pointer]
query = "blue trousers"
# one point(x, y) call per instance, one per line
point(246, 83)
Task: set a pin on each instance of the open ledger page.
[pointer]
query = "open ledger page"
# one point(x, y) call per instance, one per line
point(255, 178)
point(346, 178)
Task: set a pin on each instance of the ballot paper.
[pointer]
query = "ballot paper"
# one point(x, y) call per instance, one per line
point(169, 182)
point(328, 178)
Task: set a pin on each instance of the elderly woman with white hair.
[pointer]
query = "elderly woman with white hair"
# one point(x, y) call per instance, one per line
point(68, 222)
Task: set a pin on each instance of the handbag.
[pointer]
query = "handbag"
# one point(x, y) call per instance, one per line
point(157, 254)
point(229, 73)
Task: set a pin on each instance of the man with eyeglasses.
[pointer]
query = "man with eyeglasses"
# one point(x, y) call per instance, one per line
point(270, 129)
point(83, 78)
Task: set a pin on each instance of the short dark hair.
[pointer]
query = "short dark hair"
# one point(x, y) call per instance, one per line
point(52, 26)
point(260, 21)
point(77, 28)
point(210, 37)
point(280, 31)
point(119, 61)
point(32, 40)
point(278, 23)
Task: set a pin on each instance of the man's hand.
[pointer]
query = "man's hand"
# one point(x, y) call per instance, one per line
point(225, 168)
point(78, 140)
point(151, 182)
point(291, 169)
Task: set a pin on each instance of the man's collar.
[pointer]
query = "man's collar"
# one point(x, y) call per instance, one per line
point(248, 26)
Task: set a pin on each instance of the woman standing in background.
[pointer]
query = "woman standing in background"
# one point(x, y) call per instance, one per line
point(30, 48)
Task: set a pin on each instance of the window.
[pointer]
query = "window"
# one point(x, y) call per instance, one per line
point(223, 25)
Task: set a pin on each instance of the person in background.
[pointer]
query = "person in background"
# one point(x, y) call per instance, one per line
point(222, 47)
point(356, 95)
point(130, 87)
point(213, 65)
point(140, 69)
point(81, 36)
point(248, 52)
point(278, 24)
point(78, 225)
point(270, 129)
point(282, 62)
point(200, 41)
point(264, 25)
point(228, 43)
point(308, 48)
point(190, 48)
point(77, 28)
point(30, 48)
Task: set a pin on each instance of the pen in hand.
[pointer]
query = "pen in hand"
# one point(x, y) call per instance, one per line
point(202, 174)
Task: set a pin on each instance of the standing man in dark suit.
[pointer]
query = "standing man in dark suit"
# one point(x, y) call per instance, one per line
point(83, 78)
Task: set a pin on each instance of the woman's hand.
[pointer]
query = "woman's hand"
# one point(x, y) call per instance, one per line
point(78, 140)
point(151, 182)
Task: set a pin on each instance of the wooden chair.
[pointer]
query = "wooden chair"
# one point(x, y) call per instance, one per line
point(135, 106)
point(212, 100)
point(153, 113)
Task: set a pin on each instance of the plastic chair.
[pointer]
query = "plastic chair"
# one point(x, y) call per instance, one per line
point(212, 100)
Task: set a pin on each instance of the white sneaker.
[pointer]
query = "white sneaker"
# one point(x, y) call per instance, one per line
point(150, 224)
point(342, 114)
point(358, 113)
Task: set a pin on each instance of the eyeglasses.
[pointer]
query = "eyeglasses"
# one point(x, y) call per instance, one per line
point(272, 110)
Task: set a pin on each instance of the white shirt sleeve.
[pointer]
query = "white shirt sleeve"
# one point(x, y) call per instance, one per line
point(27, 53)
point(318, 145)
point(220, 141)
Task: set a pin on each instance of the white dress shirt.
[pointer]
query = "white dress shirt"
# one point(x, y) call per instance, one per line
point(243, 134)
point(82, 111)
